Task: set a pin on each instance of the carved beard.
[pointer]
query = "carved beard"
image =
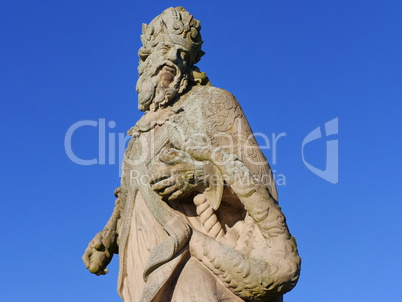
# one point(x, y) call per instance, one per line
point(157, 89)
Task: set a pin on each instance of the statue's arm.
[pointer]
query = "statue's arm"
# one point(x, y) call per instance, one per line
point(104, 245)
point(247, 277)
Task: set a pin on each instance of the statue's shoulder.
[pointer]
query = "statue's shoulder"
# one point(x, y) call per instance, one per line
point(211, 94)
point(218, 110)
point(212, 101)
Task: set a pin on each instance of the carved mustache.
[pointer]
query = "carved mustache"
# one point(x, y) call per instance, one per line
point(151, 71)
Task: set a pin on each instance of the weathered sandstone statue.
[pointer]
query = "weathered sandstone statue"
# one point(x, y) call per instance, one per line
point(196, 216)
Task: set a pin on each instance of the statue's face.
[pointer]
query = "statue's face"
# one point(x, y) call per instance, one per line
point(162, 76)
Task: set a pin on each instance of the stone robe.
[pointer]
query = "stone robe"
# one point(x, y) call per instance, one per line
point(213, 115)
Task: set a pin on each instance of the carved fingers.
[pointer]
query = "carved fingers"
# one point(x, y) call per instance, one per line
point(99, 252)
point(176, 173)
point(178, 183)
point(169, 188)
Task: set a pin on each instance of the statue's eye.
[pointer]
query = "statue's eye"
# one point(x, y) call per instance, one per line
point(164, 49)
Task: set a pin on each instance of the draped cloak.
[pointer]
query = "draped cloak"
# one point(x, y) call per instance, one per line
point(214, 116)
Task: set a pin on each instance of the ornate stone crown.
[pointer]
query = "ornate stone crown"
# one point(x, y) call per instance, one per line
point(175, 26)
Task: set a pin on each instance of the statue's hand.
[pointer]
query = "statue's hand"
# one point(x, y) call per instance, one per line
point(100, 251)
point(176, 174)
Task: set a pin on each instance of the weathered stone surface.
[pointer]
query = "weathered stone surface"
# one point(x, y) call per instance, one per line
point(196, 216)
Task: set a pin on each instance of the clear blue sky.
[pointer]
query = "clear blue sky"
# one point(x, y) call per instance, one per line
point(293, 66)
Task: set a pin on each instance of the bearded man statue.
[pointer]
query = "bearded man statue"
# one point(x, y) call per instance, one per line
point(196, 216)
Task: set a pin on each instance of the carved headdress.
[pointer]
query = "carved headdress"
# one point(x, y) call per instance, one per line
point(173, 26)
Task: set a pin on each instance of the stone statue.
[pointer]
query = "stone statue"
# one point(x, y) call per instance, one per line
point(196, 216)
